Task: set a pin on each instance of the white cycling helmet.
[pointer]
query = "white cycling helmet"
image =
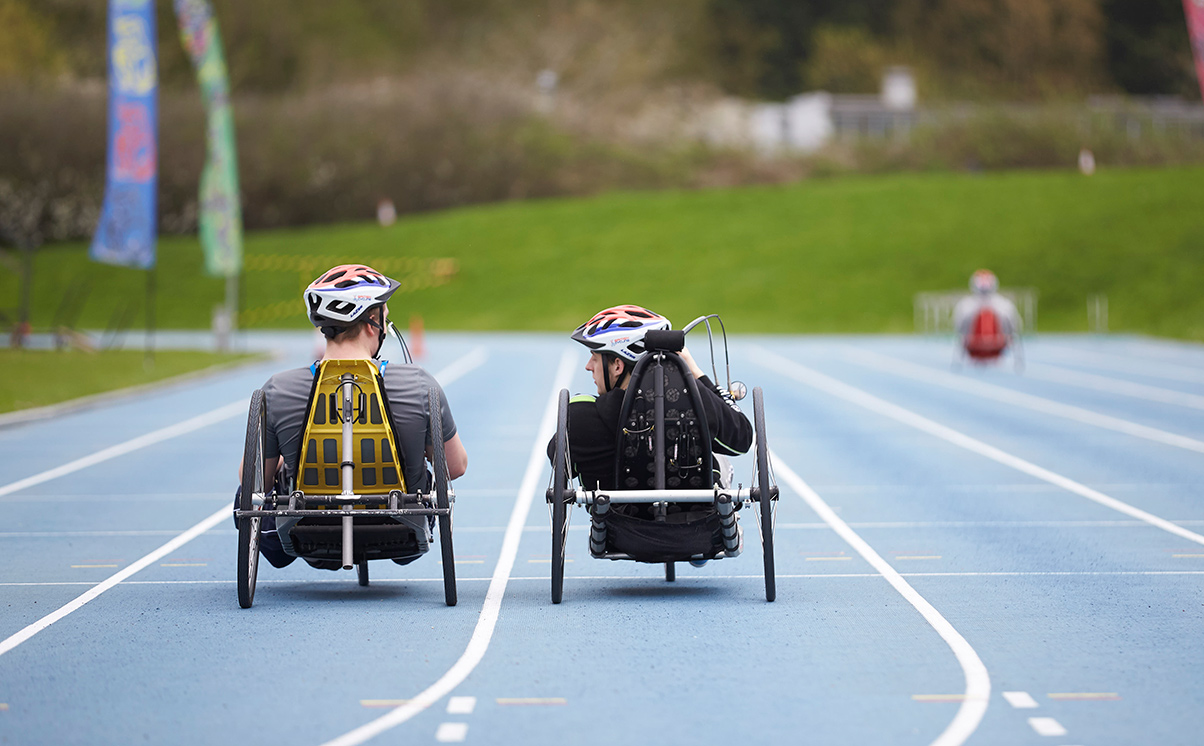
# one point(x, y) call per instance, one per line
point(984, 281)
point(344, 294)
point(620, 331)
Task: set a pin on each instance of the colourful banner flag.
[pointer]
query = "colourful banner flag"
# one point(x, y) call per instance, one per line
point(126, 233)
point(221, 212)
point(1195, 29)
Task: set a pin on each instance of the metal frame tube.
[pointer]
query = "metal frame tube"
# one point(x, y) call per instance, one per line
point(348, 471)
point(591, 497)
point(658, 421)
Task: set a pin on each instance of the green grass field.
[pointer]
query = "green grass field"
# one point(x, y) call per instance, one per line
point(827, 255)
point(35, 378)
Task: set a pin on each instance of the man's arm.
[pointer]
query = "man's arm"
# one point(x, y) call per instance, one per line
point(457, 457)
point(731, 432)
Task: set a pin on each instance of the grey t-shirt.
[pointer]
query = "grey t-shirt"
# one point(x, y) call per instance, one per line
point(406, 386)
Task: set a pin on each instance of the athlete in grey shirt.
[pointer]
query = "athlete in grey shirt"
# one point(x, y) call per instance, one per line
point(347, 303)
point(407, 388)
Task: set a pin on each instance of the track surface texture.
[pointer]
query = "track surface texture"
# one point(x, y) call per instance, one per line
point(964, 555)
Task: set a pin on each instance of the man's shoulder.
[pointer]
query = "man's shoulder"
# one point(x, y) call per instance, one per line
point(405, 371)
point(290, 380)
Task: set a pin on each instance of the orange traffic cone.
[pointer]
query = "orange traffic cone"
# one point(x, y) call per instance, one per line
point(417, 347)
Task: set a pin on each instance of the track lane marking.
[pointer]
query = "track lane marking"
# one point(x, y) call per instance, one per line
point(815, 379)
point(462, 366)
point(1020, 700)
point(487, 621)
point(455, 370)
point(531, 701)
point(451, 732)
point(636, 578)
point(13, 641)
point(142, 441)
point(978, 682)
point(926, 374)
point(1159, 369)
point(1047, 727)
point(1054, 374)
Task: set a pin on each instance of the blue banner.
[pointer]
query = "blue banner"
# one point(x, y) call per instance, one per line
point(126, 234)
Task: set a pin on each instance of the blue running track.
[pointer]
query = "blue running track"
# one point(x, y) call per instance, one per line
point(965, 555)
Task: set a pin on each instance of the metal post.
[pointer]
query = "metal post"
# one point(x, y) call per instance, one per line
point(348, 471)
point(149, 360)
point(229, 313)
point(23, 327)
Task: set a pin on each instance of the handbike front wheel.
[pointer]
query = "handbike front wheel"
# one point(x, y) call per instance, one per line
point(248, 560)
point(253, 483)
point(442, 500)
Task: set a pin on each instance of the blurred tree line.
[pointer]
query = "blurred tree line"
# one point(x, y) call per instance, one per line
point(433, 103)
point(1015, 49)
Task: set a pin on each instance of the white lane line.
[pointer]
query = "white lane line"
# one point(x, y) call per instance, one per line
point(461, 705)
point(1020, 700)
point(462, 366)
point(978, 682)
point(925, 374)
point(142, 441)
point(635, 578)
point(223, 513)
point(1112, 386)
point(803, 374)
point(1159, 369)
point(451, 732)
point(1047, 727)
point(983, 524)
point(487, 621)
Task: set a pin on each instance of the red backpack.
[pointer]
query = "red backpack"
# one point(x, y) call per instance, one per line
point(985, 339)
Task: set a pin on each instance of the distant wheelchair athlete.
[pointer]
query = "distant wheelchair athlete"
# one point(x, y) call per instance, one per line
point(334, 466)
point(987, 324)
point(649, 451)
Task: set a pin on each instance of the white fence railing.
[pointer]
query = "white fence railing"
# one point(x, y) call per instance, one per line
point(934, 310)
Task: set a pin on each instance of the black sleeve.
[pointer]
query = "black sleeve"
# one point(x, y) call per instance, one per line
point(591, 445)
point(731, 432)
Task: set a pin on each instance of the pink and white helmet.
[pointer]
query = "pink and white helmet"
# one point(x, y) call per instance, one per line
point(620, 330)
point(345, 293)
point(984, 281)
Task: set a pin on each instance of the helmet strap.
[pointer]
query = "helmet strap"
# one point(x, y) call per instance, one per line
point(607, 359)
point(380, 335)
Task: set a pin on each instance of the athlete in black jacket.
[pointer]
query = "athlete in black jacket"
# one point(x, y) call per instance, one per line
point(615, 337)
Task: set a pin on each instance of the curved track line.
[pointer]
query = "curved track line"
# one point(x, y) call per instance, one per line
point(487, 621)
point(978, 682)
point(926, 374)
point(803, 374)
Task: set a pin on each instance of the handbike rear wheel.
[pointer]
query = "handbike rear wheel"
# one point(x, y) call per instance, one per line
point(253, 482)
point(560, 482)
point(442, 500)
point(764, 493)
